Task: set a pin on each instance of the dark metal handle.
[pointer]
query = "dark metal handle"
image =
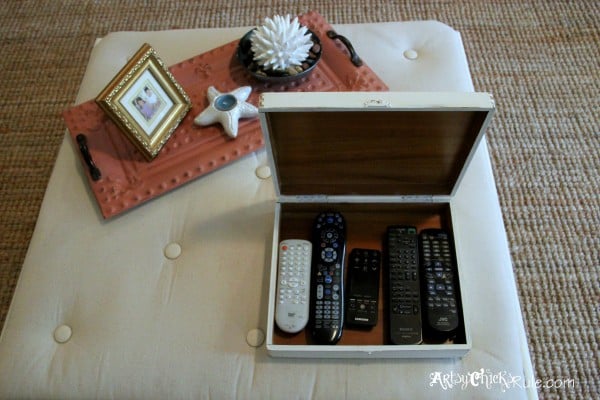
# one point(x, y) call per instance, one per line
point(85, 152)
point(353, 56)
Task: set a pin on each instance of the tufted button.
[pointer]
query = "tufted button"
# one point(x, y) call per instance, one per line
point(63, 333)
point(255, 337)
point(172, 251)
point(411, 54)
point(263, 172)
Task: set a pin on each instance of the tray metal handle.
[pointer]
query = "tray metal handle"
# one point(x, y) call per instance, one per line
point(87, 157)
point(353, 55)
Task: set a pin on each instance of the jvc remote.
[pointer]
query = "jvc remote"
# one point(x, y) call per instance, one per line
point(439, 284)
point(293, 285)
point(404, 299)
point(327, 285)
point(362, 294)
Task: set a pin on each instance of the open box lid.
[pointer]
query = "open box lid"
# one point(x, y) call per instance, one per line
point(371, 143)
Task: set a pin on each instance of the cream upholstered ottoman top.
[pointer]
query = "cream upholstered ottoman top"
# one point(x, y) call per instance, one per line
point(163, 301)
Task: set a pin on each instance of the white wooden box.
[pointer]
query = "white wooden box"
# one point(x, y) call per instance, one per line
point(380, 158)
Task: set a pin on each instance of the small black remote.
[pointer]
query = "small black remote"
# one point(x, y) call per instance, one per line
point(404, 299)
point(327, 278)
point(439, 288)
point(362, 294)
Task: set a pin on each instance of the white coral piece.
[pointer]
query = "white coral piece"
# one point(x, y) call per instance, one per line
point(280, 43)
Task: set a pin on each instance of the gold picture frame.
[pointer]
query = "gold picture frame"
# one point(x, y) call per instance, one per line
point(145, 101)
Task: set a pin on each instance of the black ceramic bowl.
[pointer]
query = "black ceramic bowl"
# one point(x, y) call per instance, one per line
point(245, 55)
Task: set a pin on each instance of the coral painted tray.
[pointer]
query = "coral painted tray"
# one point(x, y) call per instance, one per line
point(128, 180)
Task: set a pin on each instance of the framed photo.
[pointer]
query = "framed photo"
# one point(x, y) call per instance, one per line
point(145, 101)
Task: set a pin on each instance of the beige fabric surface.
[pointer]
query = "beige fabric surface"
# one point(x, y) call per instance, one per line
point(539, 59)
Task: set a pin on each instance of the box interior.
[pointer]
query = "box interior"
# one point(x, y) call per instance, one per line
point(383, 152)
point(366, 225)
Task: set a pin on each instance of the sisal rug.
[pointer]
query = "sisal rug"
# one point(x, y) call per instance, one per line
point(540, 59)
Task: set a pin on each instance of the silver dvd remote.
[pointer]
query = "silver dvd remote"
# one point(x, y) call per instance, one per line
point(293, 285)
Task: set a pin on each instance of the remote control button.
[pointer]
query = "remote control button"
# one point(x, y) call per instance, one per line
point(440, 312)
point(404, 286)
point(292, 308)
point(329, 239)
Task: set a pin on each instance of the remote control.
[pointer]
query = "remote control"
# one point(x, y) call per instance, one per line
point(293, 285)
point(362, 292)
point(404, 299)
point(439, 284)
point(327, 285)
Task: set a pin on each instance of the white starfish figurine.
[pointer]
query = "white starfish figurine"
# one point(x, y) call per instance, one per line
point(227, 109)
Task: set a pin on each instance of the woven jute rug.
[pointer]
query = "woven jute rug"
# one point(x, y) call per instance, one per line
point(540, 59)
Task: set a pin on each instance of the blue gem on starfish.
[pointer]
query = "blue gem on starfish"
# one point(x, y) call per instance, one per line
point(227, 109)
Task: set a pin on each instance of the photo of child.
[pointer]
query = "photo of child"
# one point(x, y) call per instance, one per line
point(147, 103)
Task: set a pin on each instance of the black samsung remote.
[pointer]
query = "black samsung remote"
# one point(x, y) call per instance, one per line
point(362, 294)
point(327, 278)
point(439, 288)
point(404, 299)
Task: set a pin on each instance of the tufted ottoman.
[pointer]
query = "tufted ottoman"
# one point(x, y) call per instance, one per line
point(169, 300)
